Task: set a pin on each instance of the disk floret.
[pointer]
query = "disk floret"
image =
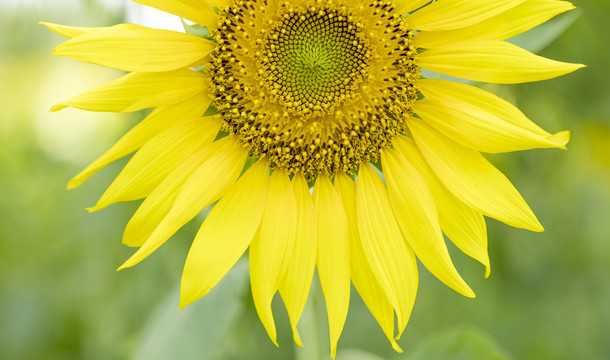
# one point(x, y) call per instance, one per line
point(314, 88)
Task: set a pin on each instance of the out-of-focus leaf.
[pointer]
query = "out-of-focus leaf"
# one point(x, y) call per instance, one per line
point(536, 39)
point(355, 354)
point(461, 344)
point(196, 29)
point(197, 331)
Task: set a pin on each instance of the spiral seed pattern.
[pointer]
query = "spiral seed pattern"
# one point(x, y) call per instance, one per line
point(314, 60)
point(314, 87)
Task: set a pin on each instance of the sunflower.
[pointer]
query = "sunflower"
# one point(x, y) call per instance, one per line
point(264, 99)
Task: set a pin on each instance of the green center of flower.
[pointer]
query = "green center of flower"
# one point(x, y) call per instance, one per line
point(314, 60)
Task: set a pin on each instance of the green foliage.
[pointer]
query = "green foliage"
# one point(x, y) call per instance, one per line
point(197, 331)
point(461, 344)
point(547, 297)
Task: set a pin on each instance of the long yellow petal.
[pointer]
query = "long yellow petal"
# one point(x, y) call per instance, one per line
point(220, 3)
point(272, 244)
point(443, 89)
point(157, 159)
point(406, 6)
point(390, 257)
point(362, 275)
point(333, 256)
point(158, 204)
point(225, 234)
point(415, 210)
point(464, 226)
point(472, 179)
point(516, 20)
point(71, 31)
point(481, 130)
point(158, 121)
point(137, 91)
point(132, 47)
point(294, 286)
point(198, 11)
point(492, 61)
point(455, 14)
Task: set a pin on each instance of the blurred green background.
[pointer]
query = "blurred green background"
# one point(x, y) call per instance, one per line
point(548, 296)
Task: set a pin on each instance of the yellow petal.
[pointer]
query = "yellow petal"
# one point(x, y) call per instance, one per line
point(71, 31)
point(220, 3)
point(272, 245)
point(295, 285)
point(157, 159)
point(362, 276)
point(203, 187)
point(482, 130)
point(333, 256)
point(492, 61)
point(464, 226)
point(132, 47)
point(472, 179)
point(158, 121)
point(415, 210)
point(137, 91)
point(406, 6)
point(390, 257)
point(443, 89)
point(158, 204)
point(516, 20)
point(455, 14)
point(198, 11)
point(225, 234)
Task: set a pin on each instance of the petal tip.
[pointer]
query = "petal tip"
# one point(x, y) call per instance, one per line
point(186, 297)
point(396, 347)
point(73, 184)
point(297, 337)
point(127, 264)
point(183, 303)
point(535, 225)
point(468, 293)
point(57, 107)
point(571, 67)
point(560, 139)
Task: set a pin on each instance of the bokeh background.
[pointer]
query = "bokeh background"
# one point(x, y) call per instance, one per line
point(548, 296)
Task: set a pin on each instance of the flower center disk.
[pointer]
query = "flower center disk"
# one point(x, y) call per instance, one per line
point(316, 88)
point(314, 59)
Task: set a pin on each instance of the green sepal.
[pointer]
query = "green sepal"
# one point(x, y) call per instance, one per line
point(211, 110)
point(197, 30)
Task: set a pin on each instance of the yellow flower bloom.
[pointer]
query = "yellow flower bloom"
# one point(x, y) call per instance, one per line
point(316, 91)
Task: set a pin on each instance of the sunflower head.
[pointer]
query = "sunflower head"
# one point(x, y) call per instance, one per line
point(317, 91)
point(316, 87)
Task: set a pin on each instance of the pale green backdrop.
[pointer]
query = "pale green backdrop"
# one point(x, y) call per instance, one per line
point(548, 296)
